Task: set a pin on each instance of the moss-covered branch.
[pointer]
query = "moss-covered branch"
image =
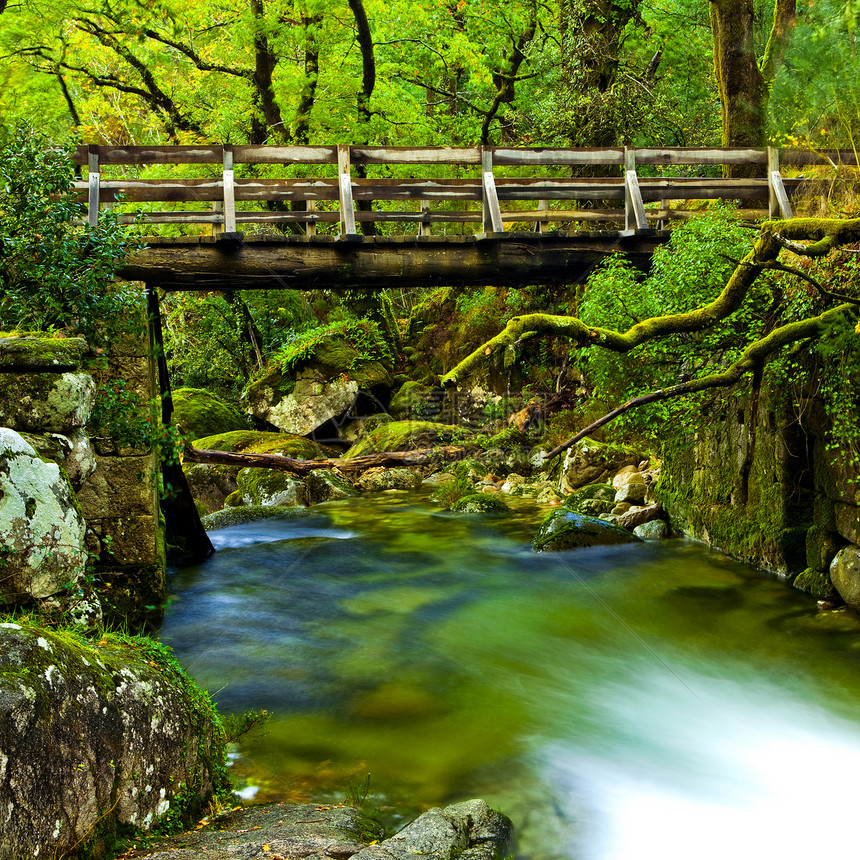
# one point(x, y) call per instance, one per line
point(752, 357)
point(824, 234)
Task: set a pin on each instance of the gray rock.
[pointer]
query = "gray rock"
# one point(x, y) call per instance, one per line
point(41, 528)
point(632, 488)
point(210, 485)
point(563, 529)
point(93, 738)
point(588, 462)
point(653, 530)
point(325, 485)
point(639, 515)
point(46, 402)
point(845, 575)
point(270, 487)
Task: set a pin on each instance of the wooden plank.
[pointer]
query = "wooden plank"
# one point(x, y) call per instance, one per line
point(697, 155)
point(801, 157)
point(347, 210)
point(779, 192)
point(492, 216)
point(507, 156)
point(153, 155)
point(229, 190)
point(285, 154)
point(93, 178)
point(636, 212)
point(416, 155)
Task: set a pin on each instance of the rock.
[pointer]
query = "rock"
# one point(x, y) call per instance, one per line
point(638, 516)
point(46, 402)
point(249, 514)
point(258, 442)
point(632, 488)
point(588, 462)
point(270, 487)
point(364, 424)
point(95, 738)
point(564, 529)
point(28, 354)
point(513, 482)
point(414, 401)
point(601, 492)
point(210, 484)
point(41, 526)
point(73, 451)
point(377, 480)
point(469, 830)
point(406, 436)
point(480, 503)
point(623, 476)
point(652, 530)
point(198, 414)
point(325, 485)
point(845, 575)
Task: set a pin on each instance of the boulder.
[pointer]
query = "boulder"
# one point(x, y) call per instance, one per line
point(94, 738)
point(258, 442)
point(73, 451)
point(210, 484)
point(564, 529)
point(199, 413)
point(46, 402)
point(588, 462)
point(638, 516)
point(406, 436)
point(31, 353)
point(325, 485)
point(480, 503)
point(593, 499)
point(632, 488)
point(270, 487)
point(41, 525)
point(845, 575)
point(377, 480)
point(652, 530)
point(414, 401)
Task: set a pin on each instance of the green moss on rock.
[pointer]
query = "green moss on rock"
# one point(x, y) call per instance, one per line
point(258, 442)
point(564, 529)
point(34, 353)
point(199, 413)
point(247, 514)
point(480, 503)
point(405, 436)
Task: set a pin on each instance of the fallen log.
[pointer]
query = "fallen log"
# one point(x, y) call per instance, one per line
point(444, 454)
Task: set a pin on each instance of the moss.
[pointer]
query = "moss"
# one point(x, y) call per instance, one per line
point(407, 435)
point(248, 514)
point(35, 351)
point(258, 442)
point(199, 413)
point(564, 529)
point(270, 487)
point(817, 583)
point(600, 492)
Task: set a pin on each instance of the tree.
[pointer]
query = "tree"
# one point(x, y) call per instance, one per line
point(833, 311)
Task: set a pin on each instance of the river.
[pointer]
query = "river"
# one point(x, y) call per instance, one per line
point(649, 702)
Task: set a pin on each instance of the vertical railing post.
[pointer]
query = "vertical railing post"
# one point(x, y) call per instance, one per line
point(424, 223)
point(229, 190)
point(94, 178)
point(634, 208)
point(777, 197)
point(541, 225)
point(310, 226)
point(347, 210)
point(492, 215)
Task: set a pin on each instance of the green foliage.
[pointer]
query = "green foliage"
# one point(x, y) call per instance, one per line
point(55, 273)
point(688, 272)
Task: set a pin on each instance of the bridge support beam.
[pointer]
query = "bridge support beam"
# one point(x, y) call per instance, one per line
point(296, 262)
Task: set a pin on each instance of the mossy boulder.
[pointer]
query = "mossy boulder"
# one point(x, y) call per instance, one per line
point(199, 413)
point(258, 442)
point(413, 400)
point(564, 529)
point(270, 487)
point(589, 462)
point(210, 484)
point(406, 436)
point(96, 738)
point(378, 480)
point(239, 516)
point(593, 499)
point(325, 485)
point(845, 575)
point(480, 503)
point(33, 353)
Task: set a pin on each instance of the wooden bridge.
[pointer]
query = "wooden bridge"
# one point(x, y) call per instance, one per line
point(428, 216)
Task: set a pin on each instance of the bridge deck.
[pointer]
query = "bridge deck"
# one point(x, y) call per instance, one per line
point(232, 262)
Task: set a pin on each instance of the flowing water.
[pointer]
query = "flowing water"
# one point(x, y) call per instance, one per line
point(624, 703)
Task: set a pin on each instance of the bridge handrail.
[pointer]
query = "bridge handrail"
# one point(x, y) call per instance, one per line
point(487, 188)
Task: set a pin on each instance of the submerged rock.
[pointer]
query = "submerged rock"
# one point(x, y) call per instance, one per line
point(41, 525)
point(480, 503)
point(98, 737)
point(564, 529)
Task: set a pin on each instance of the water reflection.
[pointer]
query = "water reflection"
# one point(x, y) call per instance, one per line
point(629, 702)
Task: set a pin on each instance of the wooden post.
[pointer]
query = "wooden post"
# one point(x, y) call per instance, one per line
point(492, 215)
point(777, 198)
point(218, 209)
point(94, 185)
point(311, 226)
point(540, 226)
point(634, 208)
point(424, 223)
point(347, 211)
point(229, 190)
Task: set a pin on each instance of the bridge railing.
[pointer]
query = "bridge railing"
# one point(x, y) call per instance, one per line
point(495, 186)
